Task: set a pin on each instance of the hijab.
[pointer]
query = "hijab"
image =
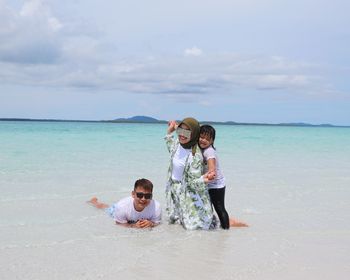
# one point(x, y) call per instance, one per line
point(193, 125)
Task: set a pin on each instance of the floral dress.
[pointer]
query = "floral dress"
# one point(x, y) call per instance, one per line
point(188, 200)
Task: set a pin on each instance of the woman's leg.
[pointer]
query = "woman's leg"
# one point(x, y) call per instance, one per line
point(217, 197)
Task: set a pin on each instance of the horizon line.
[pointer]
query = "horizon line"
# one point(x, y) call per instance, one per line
point(154, 121)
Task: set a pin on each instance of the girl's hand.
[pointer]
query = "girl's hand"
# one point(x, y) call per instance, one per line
point(208, 177)
point(172, 125)
point(211, 175)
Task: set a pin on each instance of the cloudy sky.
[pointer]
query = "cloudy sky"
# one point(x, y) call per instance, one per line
point(241, 60)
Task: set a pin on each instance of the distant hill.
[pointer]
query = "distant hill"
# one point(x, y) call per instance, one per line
point(142, 119)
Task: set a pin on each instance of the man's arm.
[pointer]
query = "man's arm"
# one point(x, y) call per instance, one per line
point(145, 224)
point(138, 224)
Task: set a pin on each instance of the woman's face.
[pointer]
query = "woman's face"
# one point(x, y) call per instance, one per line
point(182, 138)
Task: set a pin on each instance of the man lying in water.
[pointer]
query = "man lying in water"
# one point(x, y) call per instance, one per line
point(138, 210)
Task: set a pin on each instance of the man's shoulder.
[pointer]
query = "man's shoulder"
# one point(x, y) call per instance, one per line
point(155, 211)
point(154, 206)
point(156, 203)
point(124, 202)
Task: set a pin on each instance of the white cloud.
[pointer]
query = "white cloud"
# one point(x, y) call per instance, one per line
point(194, 51)
point(216, 74)
point(37, 10)
point(206, 103)
point(31, 8)
point(282, 81)
point(29, 35)
point(54, 23)
point(55, 54)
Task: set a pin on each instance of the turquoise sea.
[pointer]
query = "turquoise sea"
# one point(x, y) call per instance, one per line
point(290, 184)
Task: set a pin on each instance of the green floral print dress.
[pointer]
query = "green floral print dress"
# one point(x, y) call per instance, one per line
point(188, 201)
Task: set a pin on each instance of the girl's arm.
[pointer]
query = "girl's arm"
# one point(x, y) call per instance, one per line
point(211, 168)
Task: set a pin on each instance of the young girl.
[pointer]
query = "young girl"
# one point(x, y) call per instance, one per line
point(217, 184)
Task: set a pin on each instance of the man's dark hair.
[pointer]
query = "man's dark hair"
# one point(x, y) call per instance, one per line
point(144, 183)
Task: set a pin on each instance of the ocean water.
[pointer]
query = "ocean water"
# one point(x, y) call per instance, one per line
point(290, 184)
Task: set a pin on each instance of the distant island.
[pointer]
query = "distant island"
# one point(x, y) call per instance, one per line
point(141, 119)
point(146, 119)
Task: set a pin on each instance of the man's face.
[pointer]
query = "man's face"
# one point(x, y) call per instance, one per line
point(141, 198)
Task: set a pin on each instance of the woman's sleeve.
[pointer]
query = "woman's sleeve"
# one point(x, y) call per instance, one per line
point(170, 142)
point(199, 184)
point(194, 174)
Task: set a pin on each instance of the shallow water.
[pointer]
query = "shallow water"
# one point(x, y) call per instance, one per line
point(291, 184)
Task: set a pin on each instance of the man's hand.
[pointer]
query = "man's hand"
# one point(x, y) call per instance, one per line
point(143, 224)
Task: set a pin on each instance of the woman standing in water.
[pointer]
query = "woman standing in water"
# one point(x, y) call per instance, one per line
point(186, 191)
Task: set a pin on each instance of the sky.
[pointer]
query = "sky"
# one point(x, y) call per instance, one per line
point(264, 61)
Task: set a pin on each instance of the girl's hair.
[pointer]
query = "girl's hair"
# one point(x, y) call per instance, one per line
point(208, 130)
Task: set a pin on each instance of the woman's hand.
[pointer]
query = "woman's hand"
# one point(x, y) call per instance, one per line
point(172, 125)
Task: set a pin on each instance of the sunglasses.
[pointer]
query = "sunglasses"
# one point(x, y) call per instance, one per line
point(183, 132)
point(140, 195)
